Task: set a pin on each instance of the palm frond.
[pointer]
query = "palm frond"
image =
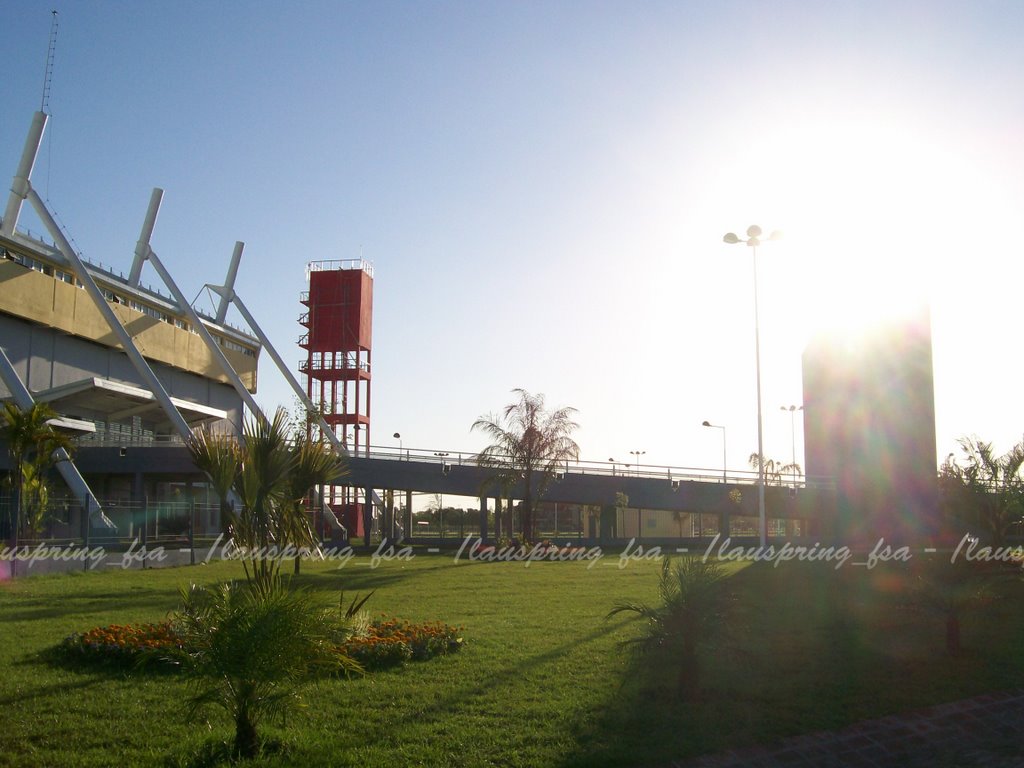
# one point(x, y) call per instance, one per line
point(528, 446)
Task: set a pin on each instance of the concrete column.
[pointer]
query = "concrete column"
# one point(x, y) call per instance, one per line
point(389, 516)
point(408, 514)
point(483, 518)
point(367, 515)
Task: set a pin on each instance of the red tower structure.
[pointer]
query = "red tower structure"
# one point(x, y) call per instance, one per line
point(337, 365)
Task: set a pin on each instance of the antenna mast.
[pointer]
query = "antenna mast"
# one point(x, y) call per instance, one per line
point(48, 75)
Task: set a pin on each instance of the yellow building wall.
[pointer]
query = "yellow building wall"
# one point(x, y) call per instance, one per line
point(50, 302)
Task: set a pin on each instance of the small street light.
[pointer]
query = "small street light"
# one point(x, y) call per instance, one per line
point(398, 437)
point(724, 461)
point(445, 466)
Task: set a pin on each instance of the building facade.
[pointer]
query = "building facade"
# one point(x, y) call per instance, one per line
point(130, 370)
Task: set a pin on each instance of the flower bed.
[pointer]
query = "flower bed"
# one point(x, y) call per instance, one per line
point(389, 641)
point(121, 644)
point(385, 642)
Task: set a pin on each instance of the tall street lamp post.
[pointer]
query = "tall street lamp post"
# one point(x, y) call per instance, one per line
point(724, 462)
point(753, 240)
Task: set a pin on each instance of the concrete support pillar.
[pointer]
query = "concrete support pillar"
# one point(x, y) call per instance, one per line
point(483, 518)
point(389, 516)
point(407, 521)
point(367, 515)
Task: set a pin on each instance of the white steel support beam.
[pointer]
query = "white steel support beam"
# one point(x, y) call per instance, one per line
point(21, 185)
point(142, 249)
point(229, 282)
point(144, 252)
point(136, 358)
point(255, 328)
point(65, 465)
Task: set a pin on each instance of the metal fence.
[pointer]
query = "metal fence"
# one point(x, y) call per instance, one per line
point(64, 518)
point(611, 468)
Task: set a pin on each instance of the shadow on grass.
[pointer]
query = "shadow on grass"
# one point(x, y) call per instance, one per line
point(218, 752)
point(359, 576)
point(479, 683)
point(798, 656)
point(101, 668)
point(57, 607)
point(57, 690)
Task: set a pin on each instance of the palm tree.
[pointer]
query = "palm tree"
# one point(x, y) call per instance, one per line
point(774, 471)
point(32, 443)
point(691, 612)
point(251, 651)
point(270, 474)
point(315, 463)
point(530, 444)
point(35, 490)
point(217, 454)
point(951, 589)
point(985, 489)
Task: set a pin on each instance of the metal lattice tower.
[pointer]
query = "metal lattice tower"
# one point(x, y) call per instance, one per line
point(51, 51)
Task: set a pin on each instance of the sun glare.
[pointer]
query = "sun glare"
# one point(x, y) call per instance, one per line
point(876, 218)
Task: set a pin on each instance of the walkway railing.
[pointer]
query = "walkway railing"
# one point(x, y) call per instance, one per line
point(330, 265)
point(613, 469)
point(468, 458)
point(126, 440)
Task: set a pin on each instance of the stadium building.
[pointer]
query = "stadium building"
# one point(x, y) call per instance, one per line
point(129, 369)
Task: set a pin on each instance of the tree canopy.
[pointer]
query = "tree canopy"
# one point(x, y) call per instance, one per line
point(32, 443)
point(982, 489)
point(269, 471)
point(530, 444)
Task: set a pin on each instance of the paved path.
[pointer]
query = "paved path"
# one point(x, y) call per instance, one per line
point(983, 732)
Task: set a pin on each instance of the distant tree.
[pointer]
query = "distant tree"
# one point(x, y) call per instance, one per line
point(309, 418)
point(775, 472)
point(458, 516)
point(679, 515)
point(610, 514)
point(530, 444)
point(983, 490)
point(591, 516)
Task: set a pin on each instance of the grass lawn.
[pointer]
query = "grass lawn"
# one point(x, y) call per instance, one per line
point(541, 680)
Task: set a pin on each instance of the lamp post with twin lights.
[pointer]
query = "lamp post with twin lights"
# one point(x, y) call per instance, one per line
point(753, 240)
point(792, 435)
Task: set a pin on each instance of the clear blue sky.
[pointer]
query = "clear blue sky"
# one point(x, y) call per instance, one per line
point(543, 189)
